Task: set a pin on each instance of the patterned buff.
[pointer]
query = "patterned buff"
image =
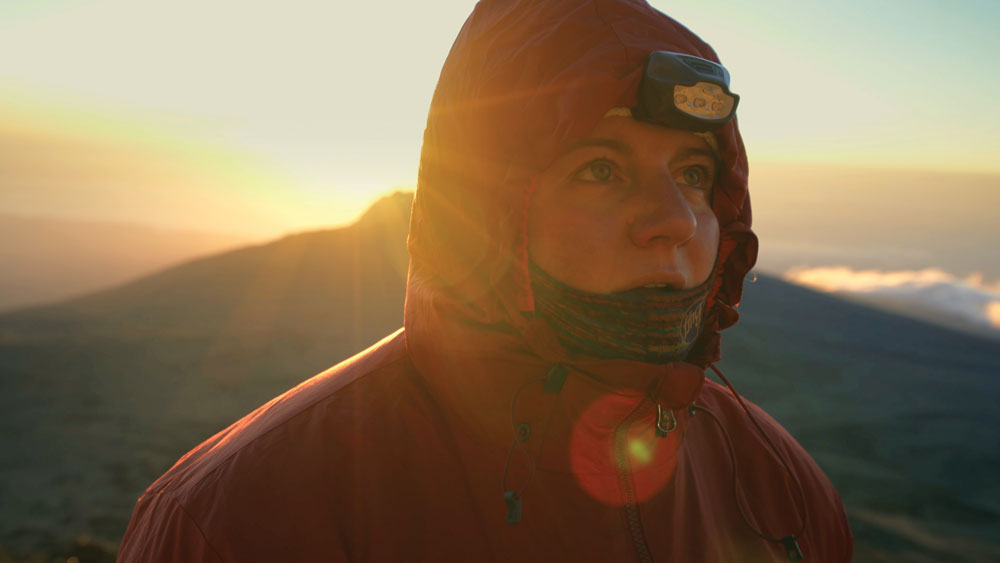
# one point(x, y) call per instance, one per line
point(647, 325)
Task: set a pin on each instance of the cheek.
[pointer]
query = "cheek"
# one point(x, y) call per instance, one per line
point(566, 240)
point(709, 224)
point(708, 236)
point(552, 232)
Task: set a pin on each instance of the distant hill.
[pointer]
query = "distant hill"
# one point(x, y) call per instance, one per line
point(100, 395)
point(47, 259)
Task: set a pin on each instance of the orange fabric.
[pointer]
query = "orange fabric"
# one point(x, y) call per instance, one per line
point(370, 462)
point(404, 452)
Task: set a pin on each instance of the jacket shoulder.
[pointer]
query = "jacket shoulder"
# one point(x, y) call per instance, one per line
point(783, 487)
point(384, 358)
point(288, 446)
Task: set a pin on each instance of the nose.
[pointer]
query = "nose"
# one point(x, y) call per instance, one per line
point(663, 215)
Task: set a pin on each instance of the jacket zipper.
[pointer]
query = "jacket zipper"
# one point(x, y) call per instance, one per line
point(631, 507)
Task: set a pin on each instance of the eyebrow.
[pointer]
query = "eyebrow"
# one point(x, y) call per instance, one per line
point(685, 154)
point(612, 144)
point(625, 149)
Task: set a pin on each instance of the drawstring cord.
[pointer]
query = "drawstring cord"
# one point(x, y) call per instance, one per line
point(789, 541)
point(610, 389)
point(552, 382)
point(513, 496)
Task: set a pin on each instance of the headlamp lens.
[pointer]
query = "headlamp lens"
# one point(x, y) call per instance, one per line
point(685, 92)
point(703, 101)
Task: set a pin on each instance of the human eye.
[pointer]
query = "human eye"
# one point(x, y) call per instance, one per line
point(596, 171)
point(697, 176)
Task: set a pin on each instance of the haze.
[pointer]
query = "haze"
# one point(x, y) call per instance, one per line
point(871, 139)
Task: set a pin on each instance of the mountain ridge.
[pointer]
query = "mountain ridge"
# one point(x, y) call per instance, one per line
point(50, 259)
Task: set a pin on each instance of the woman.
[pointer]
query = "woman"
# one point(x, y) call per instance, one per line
point(576, 247)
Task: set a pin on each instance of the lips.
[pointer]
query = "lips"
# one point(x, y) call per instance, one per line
point(658, 282)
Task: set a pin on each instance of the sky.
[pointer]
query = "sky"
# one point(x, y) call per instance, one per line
point(257, 118)
point(870, 126)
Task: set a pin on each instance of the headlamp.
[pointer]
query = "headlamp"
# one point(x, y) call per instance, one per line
point(685, 92)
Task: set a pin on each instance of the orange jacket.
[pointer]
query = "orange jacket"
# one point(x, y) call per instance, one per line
point(472, 434)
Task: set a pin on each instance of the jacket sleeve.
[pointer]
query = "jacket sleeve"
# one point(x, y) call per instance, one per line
point(162, 531)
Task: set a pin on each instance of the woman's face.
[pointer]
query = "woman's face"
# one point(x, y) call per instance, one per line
point(628, 206)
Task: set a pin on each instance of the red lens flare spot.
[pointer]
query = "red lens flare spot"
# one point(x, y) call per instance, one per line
point(598, 453)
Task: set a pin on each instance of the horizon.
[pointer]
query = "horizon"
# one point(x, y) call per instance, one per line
point(251, 140)
point(285, 139)
point(968, 302)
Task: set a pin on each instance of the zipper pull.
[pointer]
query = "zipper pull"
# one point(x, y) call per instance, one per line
point(665, 422)
point(513, 500)
point(792, 548)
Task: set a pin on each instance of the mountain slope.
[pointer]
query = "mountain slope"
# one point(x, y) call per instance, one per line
point(47, 259)
point(901, 415)
point(99, 395)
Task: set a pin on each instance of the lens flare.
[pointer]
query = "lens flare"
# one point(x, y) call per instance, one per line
point(649, 461)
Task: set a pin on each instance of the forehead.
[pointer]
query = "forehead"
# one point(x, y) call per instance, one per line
point(628, 135)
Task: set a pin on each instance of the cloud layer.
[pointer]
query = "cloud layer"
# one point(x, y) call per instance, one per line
point(929, 294)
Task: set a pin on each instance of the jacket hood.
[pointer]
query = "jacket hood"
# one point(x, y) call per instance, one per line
point(522, 81)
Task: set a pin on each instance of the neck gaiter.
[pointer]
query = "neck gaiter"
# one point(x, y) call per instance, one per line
point(646, 325)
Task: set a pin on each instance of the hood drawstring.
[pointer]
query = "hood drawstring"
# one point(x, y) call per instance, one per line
point(789, 541)
point(553, 384)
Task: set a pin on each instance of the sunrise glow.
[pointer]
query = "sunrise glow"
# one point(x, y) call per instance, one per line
point(113, 117)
